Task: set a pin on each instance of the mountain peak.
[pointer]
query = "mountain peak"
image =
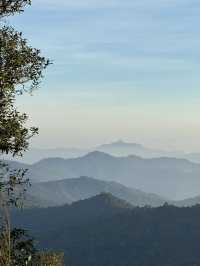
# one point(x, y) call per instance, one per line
point(107, 199)
point(102, 202)
point(97, 154)
point(122, 143)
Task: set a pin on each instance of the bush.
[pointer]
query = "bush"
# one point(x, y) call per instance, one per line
point(49, 259)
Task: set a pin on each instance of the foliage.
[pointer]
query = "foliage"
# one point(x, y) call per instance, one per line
point(21, 68)
point(5, 243)
point(22, 248)
point(10, 7)
point(10, 181)
point(98, 232)
point(49, 259)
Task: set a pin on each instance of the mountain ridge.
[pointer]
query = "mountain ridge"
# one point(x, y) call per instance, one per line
point(116, 148)
point(72, 190)
point(169, 177)
point(75, 189)
point(172, 178)
point(99, 231)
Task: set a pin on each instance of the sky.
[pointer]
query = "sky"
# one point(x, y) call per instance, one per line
point(121, 70)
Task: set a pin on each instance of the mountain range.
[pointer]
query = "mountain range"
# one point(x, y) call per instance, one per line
point(72, 190)
point(171, 178)
point(118, 148)
point(104, 230)
point(57, 193)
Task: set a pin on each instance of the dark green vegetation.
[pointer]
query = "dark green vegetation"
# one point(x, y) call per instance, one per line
point(104, 231)
point(21, 68)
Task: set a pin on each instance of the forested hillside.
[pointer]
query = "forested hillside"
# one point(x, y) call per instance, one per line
point(74, 189)
point(104, 231)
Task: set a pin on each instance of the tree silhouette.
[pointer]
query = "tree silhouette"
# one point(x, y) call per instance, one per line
point(21, 68)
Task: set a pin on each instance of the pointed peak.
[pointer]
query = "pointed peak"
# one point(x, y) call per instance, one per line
point(122, 143)
point(97, 154)
point(108, 199)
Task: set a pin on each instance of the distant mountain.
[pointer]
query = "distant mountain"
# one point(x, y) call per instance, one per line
point(121, 148)
point(193, 157)
point(34, 155)
point(71, 190)
point(187, 202)
point(15, 164)
point(169, 177)
point(104, 230)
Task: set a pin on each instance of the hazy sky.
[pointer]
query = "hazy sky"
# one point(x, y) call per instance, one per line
point(122, 70)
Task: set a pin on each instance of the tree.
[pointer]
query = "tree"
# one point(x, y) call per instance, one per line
point(49, 258)
point(21, 68)
point(22, 248)
point(9, 7)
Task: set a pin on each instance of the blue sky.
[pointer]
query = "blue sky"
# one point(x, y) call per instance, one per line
point(122, 69)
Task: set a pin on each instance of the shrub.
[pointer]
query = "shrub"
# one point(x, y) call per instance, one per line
point(49, 259)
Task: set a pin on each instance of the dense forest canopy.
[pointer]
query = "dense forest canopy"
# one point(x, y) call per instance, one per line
point(104, 231)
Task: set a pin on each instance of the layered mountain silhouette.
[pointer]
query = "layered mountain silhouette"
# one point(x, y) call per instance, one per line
point(67, 191)
point(122, 148)
point(55, 193)
point(169, 177)
point(117, 148)
point(105, 230)
point(36, 154)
